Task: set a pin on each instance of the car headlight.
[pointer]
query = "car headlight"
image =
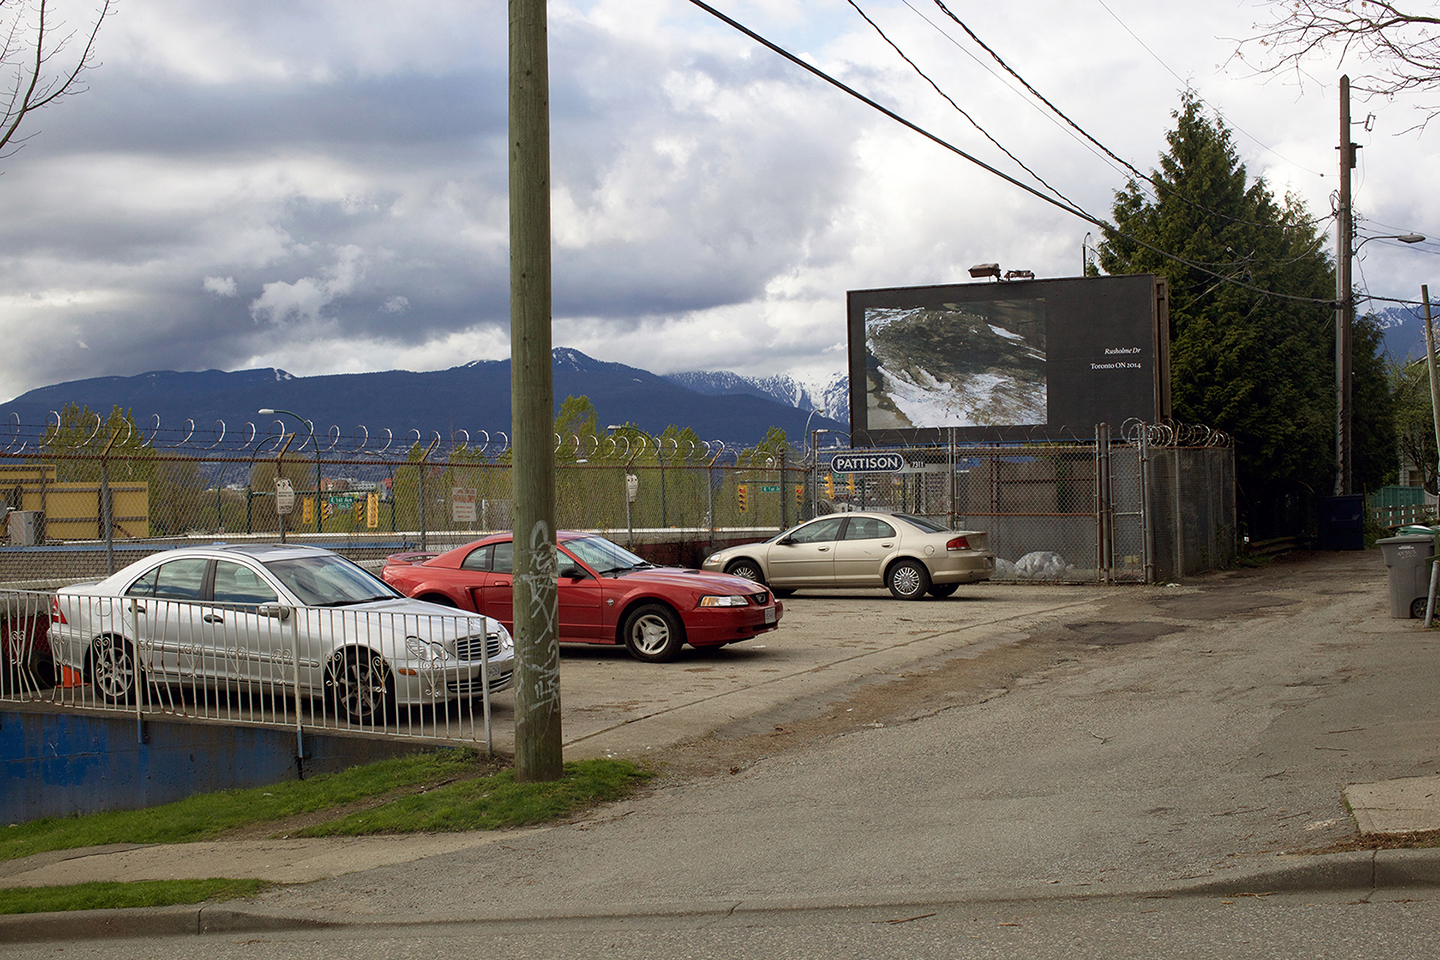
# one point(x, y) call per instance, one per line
point(427, 650)
point(714, 558)
point(503, 635)
point(724, 601)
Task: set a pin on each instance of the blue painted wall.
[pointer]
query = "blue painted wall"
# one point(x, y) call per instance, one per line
point(55, 764)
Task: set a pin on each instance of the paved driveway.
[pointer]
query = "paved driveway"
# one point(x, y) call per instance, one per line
point(829, 642)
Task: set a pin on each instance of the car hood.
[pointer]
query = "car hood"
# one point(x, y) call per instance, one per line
point(704, 580)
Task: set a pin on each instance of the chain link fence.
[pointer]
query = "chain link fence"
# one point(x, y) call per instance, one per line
point(83, 502)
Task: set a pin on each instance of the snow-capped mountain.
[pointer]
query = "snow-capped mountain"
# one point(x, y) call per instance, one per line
point(828, 396)
point(1404, 331)
point(472, 397)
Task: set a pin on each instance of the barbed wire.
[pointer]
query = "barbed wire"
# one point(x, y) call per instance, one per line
point(1174, 433)
point(257, 442)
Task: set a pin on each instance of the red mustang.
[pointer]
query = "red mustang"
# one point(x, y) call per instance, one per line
point(607, 594)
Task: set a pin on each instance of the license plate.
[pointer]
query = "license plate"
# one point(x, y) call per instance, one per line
point(769, 614)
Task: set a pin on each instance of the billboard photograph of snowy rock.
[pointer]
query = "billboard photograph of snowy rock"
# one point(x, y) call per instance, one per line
point(961, 365)
point(1007, 361)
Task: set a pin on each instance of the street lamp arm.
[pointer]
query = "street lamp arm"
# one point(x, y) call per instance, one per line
point(1402, 237)
point(267, 411)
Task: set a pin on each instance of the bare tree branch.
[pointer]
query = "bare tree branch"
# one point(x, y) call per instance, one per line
point(32, 58)
point(1396, 49)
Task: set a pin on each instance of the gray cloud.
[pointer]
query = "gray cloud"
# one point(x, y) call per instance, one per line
point(322, 186)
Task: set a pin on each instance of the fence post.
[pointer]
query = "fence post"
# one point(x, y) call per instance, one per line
point(1104, 518)
point(951, 475)
point(784, 500)
point(485, 688)
point(1179, 520)
point(135, 666)
point(1147, 529)
point(106, 507)
point(424, 534)
point(295, 688)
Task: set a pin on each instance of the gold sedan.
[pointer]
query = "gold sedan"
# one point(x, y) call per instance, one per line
point(912, 556)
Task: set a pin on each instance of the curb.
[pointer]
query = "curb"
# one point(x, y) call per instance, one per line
point(1363, 870)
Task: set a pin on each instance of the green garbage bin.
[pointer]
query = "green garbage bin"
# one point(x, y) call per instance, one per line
point(1407, 561)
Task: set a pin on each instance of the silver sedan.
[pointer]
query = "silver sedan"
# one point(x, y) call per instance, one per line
point(273, 618)
point(912, 556)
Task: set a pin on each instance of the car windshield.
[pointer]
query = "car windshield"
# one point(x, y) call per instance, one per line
point(329, 581)
point(602, 556)
point(924, 523)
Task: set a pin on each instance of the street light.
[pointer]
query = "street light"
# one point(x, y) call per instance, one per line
point(316, 443)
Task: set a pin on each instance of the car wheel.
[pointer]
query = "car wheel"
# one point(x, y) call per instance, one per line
point(908, 580)
point(746, 568)
point(1417, 608)
point(943, 590)
point(114, 675)
point(653, 633)
point(358, 684)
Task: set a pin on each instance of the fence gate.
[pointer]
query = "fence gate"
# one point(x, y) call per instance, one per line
point(1078, 512)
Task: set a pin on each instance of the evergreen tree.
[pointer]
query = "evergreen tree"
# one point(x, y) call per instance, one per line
point(1414, 418)
point(1374, 459)
point(1257, 365)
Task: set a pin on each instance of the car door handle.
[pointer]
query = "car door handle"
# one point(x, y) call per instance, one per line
point(887, 546)
point(823, 549)
point(213, 618)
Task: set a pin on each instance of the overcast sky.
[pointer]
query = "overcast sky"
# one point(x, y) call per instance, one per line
point(321, 186)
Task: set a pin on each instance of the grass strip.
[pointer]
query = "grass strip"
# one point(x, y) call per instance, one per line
point(491, 802)
point(459, 790)
point(208, 815)
point(142, 893)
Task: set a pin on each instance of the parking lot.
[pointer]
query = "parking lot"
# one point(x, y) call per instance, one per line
point(829, 645)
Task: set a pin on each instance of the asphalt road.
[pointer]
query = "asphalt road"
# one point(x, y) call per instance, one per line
point(1037, 767)
point(1204, 928)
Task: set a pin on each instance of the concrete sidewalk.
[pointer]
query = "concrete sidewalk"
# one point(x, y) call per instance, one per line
point(1184, 741)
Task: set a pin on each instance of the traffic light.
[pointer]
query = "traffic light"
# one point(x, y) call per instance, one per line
point(800, 494)
point(740, 494)
point(829, 486)
point(850, 482)
point(359, 507)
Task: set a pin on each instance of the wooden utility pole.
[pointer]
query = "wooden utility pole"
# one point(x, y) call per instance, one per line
point(1344, 305)
point(537, 644)
point(1430, 360)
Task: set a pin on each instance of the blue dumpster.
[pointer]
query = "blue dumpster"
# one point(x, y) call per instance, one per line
point(1342, 522)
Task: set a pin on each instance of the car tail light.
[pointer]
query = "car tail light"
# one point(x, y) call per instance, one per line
point(56, 616)
point(959, 543)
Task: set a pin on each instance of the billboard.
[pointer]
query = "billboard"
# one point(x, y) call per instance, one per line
point(1011, 360)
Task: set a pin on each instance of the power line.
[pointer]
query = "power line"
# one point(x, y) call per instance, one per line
point(1157, 189)
point(1036, 93)
point(1099, 154)
point(973, 122)
point(1066, 206)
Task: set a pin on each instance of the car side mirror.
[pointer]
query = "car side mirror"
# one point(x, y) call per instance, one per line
point(572, 571)
point(786, 541)
point(273, 610)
